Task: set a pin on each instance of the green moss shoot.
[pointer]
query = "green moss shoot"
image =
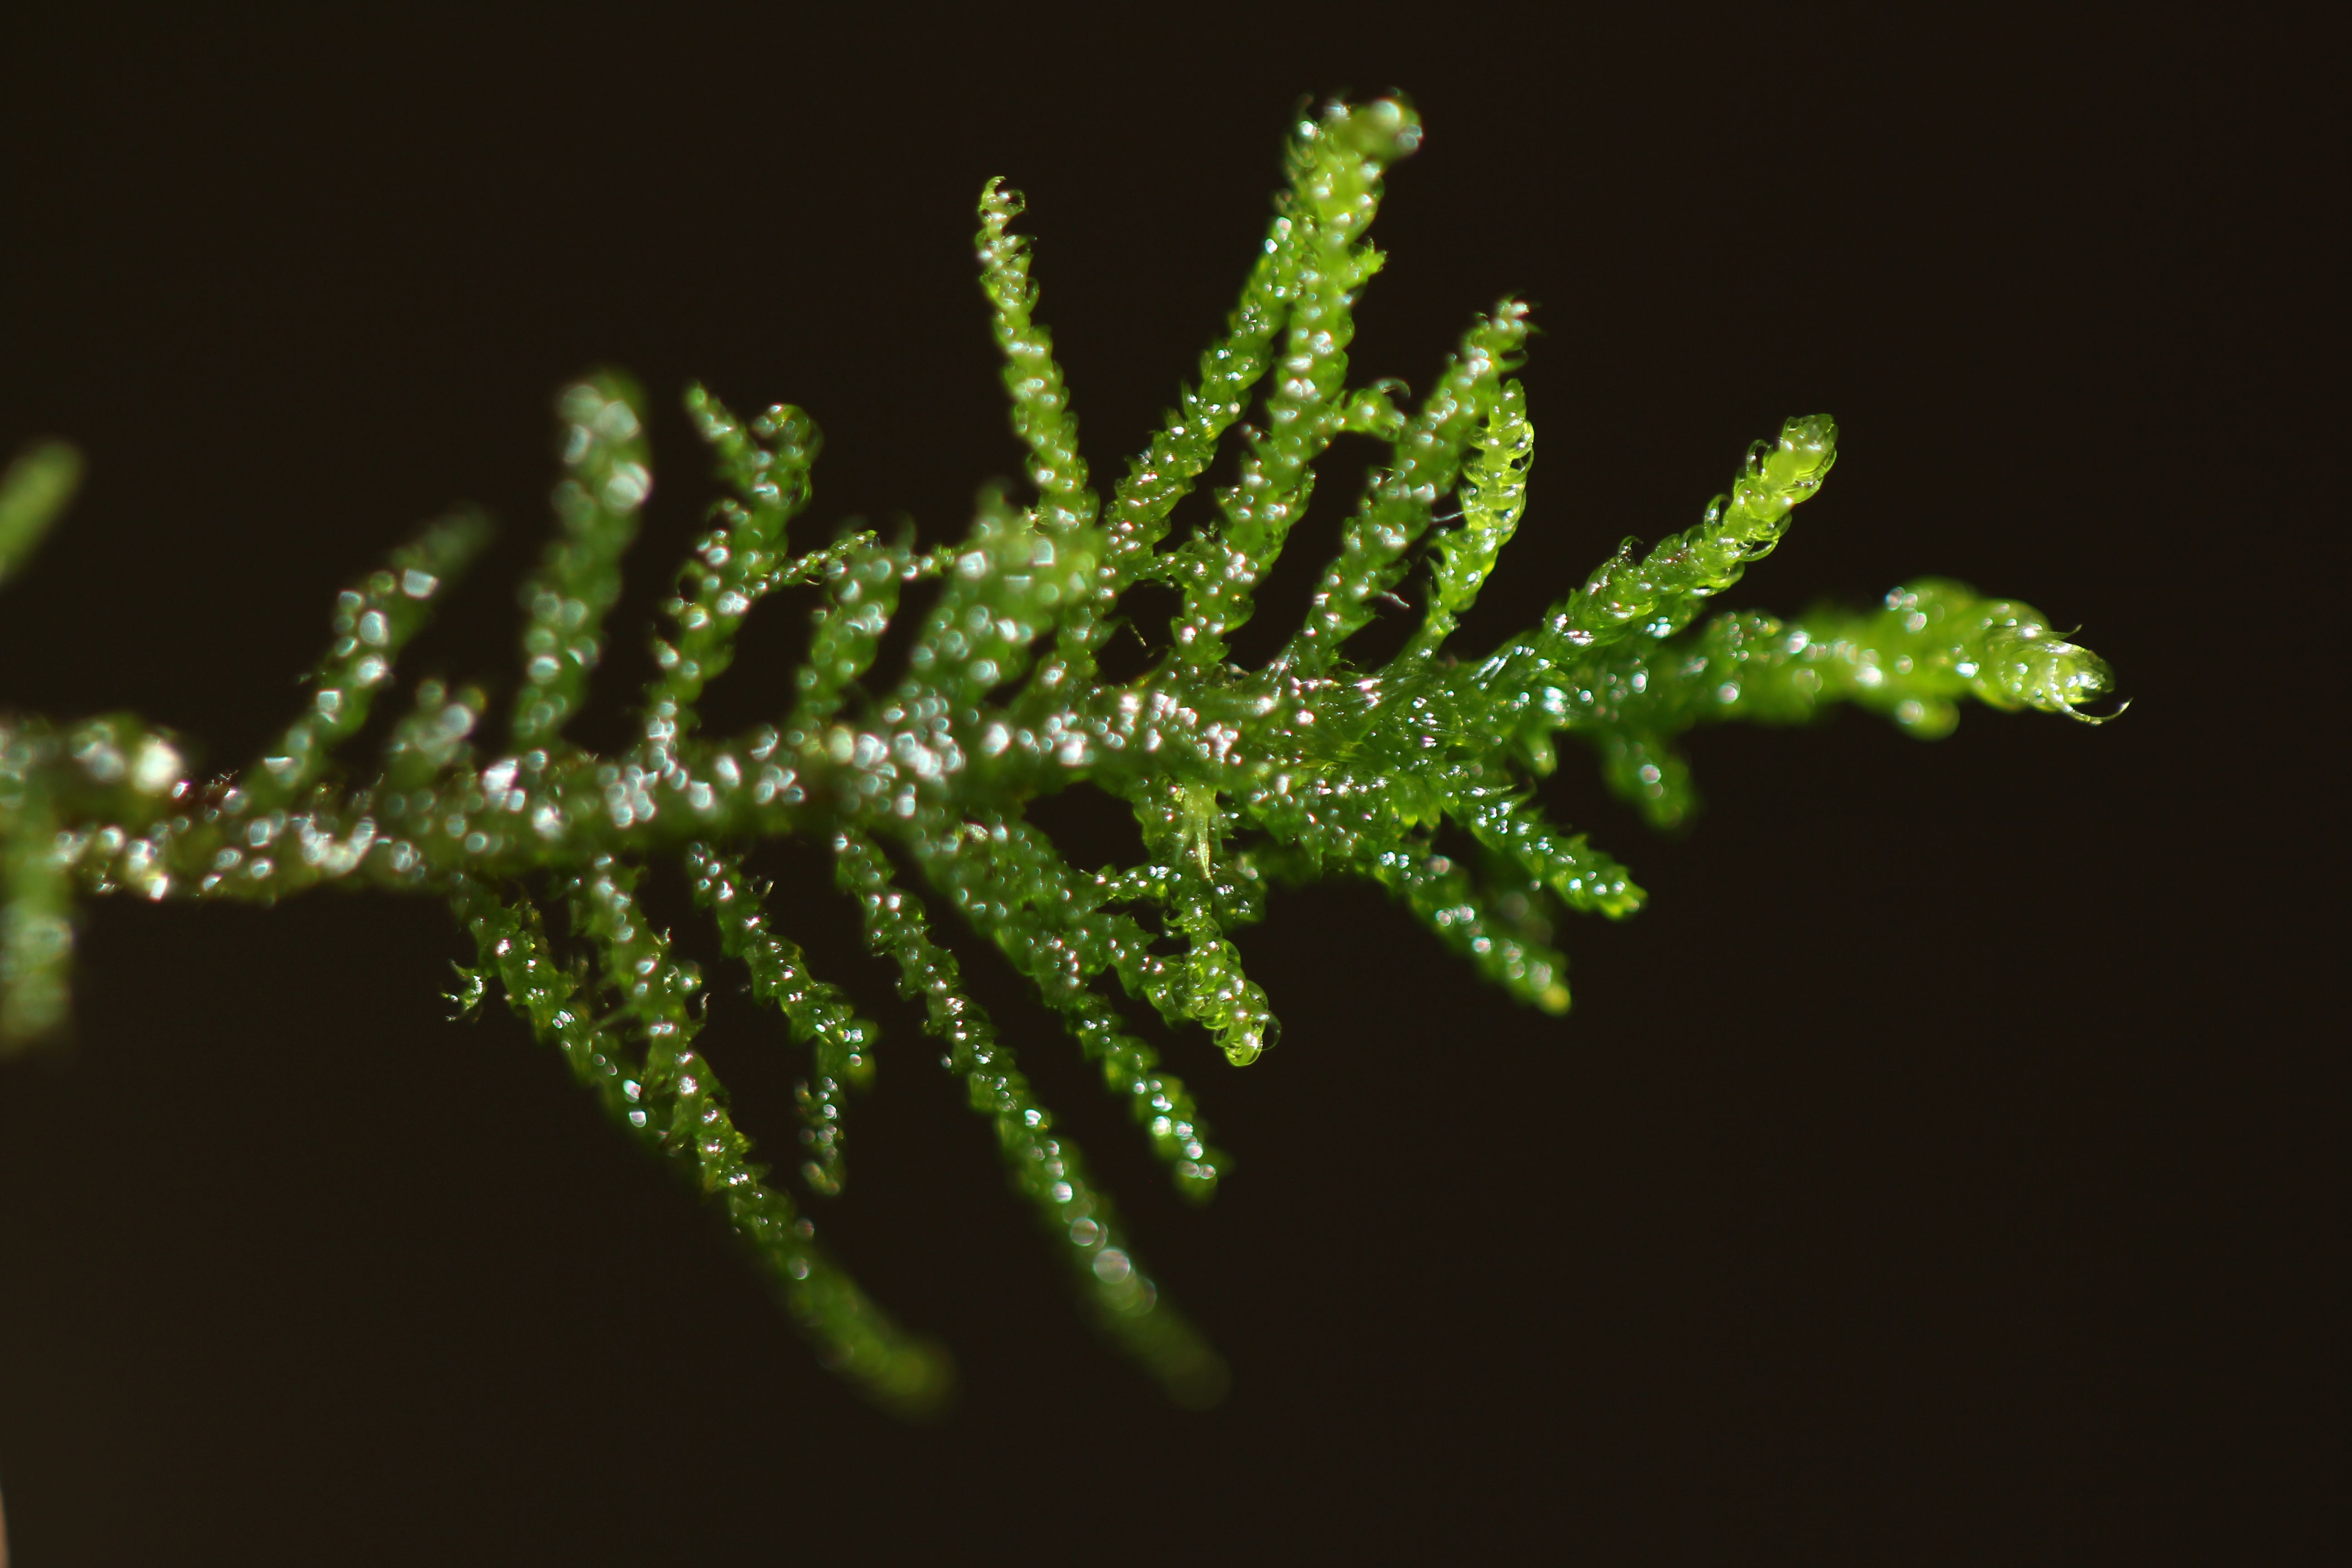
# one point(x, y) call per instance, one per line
point(1311, 767)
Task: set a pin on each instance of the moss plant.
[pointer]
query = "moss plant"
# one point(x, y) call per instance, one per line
point(1310, 767)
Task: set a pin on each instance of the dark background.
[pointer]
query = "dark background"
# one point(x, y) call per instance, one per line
point(1946, 1166)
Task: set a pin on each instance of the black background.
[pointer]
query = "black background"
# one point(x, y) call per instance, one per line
point(1946, 1166)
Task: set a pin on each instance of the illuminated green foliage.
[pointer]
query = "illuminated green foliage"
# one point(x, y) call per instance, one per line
point(1310, 767)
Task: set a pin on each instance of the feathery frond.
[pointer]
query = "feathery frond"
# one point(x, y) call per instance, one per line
point(1307, 767)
